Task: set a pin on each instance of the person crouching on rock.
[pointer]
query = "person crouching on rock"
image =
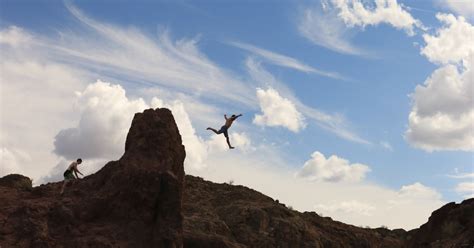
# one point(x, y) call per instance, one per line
point(69, 173)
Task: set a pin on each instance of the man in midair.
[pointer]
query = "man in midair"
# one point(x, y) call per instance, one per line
point(69, 173)
point(228, 123)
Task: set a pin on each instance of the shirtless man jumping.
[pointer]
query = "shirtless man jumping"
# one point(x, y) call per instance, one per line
point(228, 123)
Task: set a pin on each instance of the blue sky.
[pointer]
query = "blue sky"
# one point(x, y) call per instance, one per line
point(369, 96)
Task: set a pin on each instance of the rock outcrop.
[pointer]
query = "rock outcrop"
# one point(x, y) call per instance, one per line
point(144, 199)
point(450, 226)
point(222, 215)
point(133, 202)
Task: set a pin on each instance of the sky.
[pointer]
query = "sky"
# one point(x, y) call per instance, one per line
point(358, 110)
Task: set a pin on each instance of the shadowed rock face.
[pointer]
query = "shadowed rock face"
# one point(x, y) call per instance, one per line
point(132, 202)
point(450, 226)
point(145, 200)
point(222, 215)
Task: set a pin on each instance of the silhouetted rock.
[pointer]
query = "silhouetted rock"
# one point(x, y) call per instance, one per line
point(145, 200)
point(450, 226)
point(132, 202)
point(222, 215)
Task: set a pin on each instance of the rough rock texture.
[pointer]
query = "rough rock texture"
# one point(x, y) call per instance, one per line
point(145, 200)
point(222, 215)
point(132, 202)
point(16, 181)
point(450, 226)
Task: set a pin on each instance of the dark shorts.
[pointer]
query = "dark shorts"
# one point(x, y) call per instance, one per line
point(68, 175)
point(224, 131)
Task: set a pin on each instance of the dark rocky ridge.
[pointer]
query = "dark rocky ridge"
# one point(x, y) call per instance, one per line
point(145, 200)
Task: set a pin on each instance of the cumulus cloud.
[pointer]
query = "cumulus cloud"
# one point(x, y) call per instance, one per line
point(105, 116)
point(461, 7)
point(334, 123)
point(443, 110)
point(277, 111)
point(332, 169)
point(362, 13)
point(36, 98)
point(452, 43)
point(419, 191)
point(466, 189)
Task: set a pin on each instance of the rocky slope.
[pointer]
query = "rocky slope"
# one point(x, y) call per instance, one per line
point(145, 200)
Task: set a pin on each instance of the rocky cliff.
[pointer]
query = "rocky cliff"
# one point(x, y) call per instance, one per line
point(145, 200)
point(133, 202)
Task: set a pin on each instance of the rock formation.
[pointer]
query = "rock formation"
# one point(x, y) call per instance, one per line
point(132, 202)
point(145, 200)
point(450, 226)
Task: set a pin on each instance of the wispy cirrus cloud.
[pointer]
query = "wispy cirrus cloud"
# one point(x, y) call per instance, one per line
point(323, 27)
point(332, 24)
point(176, 65)
point(283, 60)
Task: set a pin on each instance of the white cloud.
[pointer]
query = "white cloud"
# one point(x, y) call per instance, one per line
point(332, 169)
point(462, 175)
point(13, 161)
point(361, 13)
point(418, 191)
point(278, 111)
point(160, 61)
point(283, 60)
point(466, 189)
point(386, 145)
point(15, 36)
point(443, 110)
point(462, 7)
point(331, 26)
point(36, 98)
point(332, 122)
point(324, 28)
point(346, 207)
point(105, 116)
point(452, 43)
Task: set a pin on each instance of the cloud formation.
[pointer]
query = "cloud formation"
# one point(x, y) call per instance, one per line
point(277, 111)
point(363, 13)
point(283, 60)
point(334, 123)
point(36, 98)
point(105, 116)
point(464, 8)
point(443, 110)
point(324, 28)
point(332, 169)
point(466, 189)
